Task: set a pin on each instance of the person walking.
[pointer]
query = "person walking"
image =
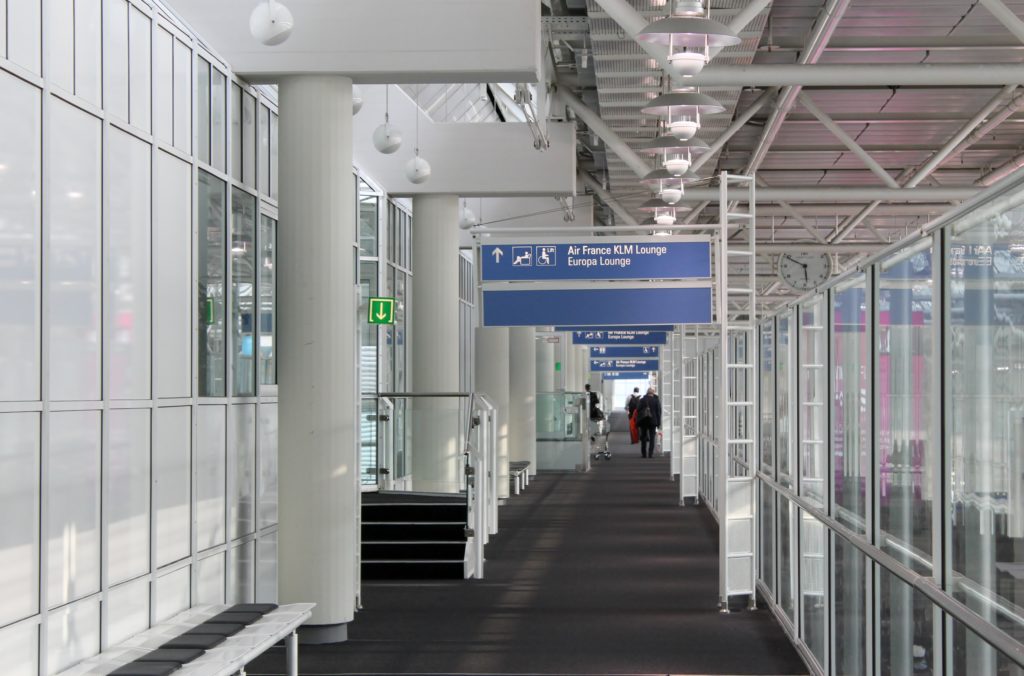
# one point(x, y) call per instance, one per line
point(634, 399)
point(648, 420)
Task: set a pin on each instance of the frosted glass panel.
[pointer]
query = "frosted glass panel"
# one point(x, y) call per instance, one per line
point(266, 569)
point(210, 580)
point(72, 635)
point(243, 471)
point(171, 483)
point(267, 485)
point(182, 97)
point(173, 276)
point(23, 37)
point(19, 537)
point(73, 492)
point(115, 59)
point(163, 92)
point(203, 110)
point(74, 239)
point(263, 163)
point(126, 501)
point(240, 573)
point(139, 41)
point(127, 611)
point(249, 139)
point(210, 476)
point(60, 28)
point(19, 230)
point(128, 265)
point(20, 648)
point(88, 58)
point(172, 593)
point(218, 103)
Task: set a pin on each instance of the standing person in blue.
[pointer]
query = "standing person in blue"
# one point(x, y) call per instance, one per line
point(648, 419)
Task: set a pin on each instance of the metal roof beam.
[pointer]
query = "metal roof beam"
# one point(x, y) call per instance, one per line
point(606, 197)
point(902, 43)
point(841, 75)
point(1006, 16)
point(611, 140)
point(845, 194)
point(847, 140)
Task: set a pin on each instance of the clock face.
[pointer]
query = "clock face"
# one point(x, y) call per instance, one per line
point(805, 271)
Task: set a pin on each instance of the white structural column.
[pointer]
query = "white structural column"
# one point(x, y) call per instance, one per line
point(317, 354)
point(437, 461)
point(522, 386)
point(568, 364)
point(492, 378)
point(583, 365)
point(545, 365)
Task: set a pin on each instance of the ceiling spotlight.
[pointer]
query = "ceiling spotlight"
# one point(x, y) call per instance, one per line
point(271, 23)
point(417, 170)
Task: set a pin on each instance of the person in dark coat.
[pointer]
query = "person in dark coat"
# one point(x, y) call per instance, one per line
point(648, 420)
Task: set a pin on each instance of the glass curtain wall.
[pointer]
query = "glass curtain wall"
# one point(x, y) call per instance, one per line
point(138, 444)
point(368, 202)
point(906, 382)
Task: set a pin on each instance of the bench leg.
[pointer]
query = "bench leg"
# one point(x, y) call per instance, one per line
point(292, 653)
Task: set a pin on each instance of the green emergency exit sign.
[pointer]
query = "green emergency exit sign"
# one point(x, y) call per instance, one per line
point(382, 310)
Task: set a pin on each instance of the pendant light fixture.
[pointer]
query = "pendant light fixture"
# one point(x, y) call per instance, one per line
point(357, 99)
point(386, 137)
point(417, 170)
point(467, 219)
point(663, 213)
point(688, 33)
point(682, 111)
point(675, 155)
point(271, 23)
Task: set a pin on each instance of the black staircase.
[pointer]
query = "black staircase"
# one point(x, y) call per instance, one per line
point(413, 536)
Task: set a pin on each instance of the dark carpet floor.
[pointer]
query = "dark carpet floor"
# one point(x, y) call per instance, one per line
point(597, 573)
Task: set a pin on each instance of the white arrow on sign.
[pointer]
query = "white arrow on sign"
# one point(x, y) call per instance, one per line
point(498, 253)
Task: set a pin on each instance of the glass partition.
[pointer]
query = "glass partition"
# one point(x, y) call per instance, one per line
point(212, 206)
point(783, 399)
point(243, 287)
point(268, 301)
point(558, 417)
point(985, 335)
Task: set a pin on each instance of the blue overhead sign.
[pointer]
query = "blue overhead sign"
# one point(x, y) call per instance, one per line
point(639, 352)
point(597, 258)
point(634, 365)
point(645, 327)
point(623, 375)
point(615, 337)
point(591, 307)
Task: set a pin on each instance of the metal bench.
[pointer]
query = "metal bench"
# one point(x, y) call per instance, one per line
point(229, 656)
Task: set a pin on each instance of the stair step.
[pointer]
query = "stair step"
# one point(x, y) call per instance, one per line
point(414, 551)
point(413, 570)
point(410, 512)
point(395, 532)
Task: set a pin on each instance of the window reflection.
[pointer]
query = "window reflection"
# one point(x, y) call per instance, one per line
point(268, 301)
point(986, 423)
point(243, 283)
point(211, 200)
point(851, 420)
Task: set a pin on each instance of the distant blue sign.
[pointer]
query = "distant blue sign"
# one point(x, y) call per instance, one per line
point(626, 337)
point(645, 327)
point(601, 258)
point(639, 352)
point(634, 365)
point(591, 307)
point(623, 375)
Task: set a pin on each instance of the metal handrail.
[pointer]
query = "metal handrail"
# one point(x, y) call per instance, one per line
point(422, 395)
point(995, 637)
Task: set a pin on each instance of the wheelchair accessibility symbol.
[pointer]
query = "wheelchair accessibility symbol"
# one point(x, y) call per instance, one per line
point(522, 256)
point(546, 256)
